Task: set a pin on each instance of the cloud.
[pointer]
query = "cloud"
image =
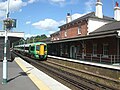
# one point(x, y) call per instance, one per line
point(14, 5)
point(90, 4)
point(47, 24)
point(28, 22)
point(32, 1)
point(62, 2)
point(57, 1)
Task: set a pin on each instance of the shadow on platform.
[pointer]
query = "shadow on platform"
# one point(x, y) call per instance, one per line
point(20, 74)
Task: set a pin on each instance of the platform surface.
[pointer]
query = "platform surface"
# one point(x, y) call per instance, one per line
point(23, 76)
point(17, 78)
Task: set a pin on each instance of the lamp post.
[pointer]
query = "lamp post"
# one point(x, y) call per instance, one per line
point(5, 63)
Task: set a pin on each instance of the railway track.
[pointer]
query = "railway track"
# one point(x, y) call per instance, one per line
point(63, 74)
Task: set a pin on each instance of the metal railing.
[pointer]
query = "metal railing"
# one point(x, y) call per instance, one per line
point(109, 59)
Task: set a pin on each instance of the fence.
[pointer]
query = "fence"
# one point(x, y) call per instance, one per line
point(109, 59)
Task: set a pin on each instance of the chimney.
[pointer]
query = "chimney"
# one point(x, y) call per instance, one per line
point(98, 12)
point(68, 18)
point(117, 12)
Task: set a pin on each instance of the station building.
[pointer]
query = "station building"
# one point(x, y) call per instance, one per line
point(92, 37)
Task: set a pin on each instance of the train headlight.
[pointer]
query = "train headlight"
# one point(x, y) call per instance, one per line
point(45, 52)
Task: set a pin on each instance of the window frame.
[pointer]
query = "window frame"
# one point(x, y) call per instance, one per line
point(105, 51)
point(95, 50)
point(65, 33)
point(79, 30)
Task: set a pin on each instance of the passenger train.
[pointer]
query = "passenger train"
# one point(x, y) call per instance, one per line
point(36, 50)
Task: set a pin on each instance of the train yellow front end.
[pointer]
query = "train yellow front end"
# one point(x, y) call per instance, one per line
point(41, 50)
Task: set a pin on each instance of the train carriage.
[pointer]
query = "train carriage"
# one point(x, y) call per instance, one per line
point(36, 50)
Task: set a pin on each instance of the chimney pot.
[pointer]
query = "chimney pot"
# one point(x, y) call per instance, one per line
point(68, 18)
point(68, 14)
point(98, 0)
point(117, 12)
point(98, 12)
point(117, 5)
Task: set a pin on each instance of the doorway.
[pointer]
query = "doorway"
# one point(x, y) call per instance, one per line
point(73, 52)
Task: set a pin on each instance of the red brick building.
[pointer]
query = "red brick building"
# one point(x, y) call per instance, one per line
point(92, 37)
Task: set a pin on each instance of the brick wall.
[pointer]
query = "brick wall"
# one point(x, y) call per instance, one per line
point(72, 30)
point(111, 41)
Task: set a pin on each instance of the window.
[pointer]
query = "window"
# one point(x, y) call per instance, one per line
point(105, 50)
point(94, 49)
point(26, 48)
point(38, 47)
point(65, 33)
point(32, 48)
point(45, 47)
point(57, 38)
point(79, 30)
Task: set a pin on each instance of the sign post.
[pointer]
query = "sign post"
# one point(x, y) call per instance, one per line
point(8, 24)
point(5, 63)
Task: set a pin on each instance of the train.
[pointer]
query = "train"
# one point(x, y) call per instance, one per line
point(36, 50)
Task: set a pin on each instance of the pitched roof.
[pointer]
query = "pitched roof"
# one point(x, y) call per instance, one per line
point(57, 32)
point(89, 15)
point(115, 25)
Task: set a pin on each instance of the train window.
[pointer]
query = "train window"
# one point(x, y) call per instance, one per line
point(32, 48)
point(37, 47)
point(45, 47)
point(26, 48)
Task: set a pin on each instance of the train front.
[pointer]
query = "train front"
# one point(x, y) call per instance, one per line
point(42, 50)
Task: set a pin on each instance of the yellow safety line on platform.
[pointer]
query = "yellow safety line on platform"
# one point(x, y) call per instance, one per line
point(36, 81)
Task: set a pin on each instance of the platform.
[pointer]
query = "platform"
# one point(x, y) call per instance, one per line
point(23, 76)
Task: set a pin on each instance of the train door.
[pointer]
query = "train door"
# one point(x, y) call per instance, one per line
point(73, 52)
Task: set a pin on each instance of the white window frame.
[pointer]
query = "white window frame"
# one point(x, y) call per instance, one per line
point(104, 55)
point(57, 38)
point(65, 33)
point(79, 30)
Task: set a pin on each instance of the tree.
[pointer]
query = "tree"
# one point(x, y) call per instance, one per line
point(37, 38)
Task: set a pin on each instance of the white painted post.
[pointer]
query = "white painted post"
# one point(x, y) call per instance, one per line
point(5, 63)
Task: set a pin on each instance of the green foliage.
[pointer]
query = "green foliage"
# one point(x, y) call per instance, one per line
point(32, 39)
point(37, 38)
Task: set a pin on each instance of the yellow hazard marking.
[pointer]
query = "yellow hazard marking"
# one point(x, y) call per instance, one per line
point(36, 81)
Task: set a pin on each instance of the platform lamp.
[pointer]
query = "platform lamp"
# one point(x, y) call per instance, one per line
point(5, 64)
point(8, 25)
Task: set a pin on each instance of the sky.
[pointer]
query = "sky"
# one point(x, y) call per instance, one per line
point(37, 17)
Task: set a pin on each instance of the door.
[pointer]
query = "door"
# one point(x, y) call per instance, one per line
point(73, 52)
